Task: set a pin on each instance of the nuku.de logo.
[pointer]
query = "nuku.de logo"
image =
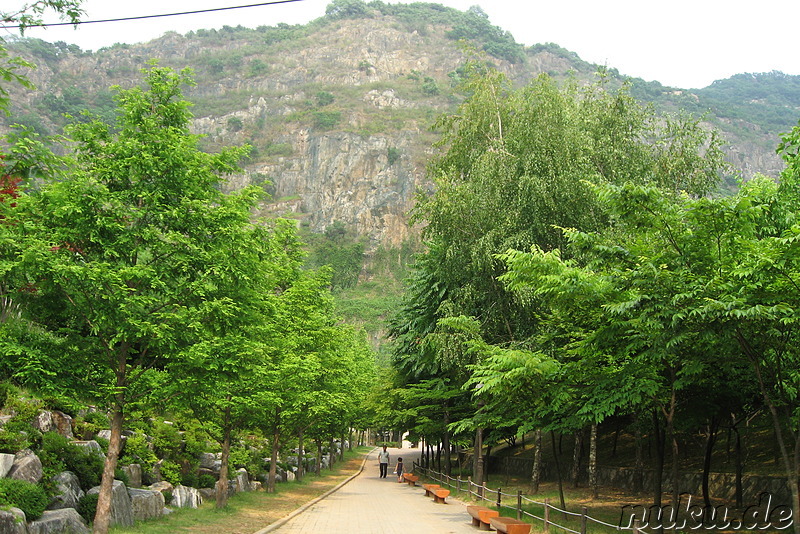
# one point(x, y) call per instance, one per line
point(762, 516)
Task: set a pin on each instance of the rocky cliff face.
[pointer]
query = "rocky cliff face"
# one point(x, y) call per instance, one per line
point(339, 117)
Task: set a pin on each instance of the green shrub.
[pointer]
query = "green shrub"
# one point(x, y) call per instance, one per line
point(325, 120)
point(137, 451)
point(171, 472)
point(190, 479)
point(119, 474)
point(206, 481)
point(87, 507)
point(58, 454)
point(13, 442)
point(28, 497)
point(166, 441)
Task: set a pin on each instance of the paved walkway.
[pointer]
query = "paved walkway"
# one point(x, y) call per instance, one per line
point(376, 505)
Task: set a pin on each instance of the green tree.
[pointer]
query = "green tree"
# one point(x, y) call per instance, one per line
point(122, 249)
point(25, 16)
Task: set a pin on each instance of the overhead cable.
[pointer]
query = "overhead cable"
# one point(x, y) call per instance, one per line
point(46, 25)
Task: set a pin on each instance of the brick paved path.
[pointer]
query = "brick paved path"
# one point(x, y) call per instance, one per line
point(372, 505)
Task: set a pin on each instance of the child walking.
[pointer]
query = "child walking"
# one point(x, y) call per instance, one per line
point(399, 470)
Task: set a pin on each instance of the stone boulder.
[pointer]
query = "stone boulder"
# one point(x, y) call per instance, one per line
point(64, 521)
point(185, 497)
point(6, 462)
point(134, 472)
point(208, 494)
point(91, 446)
point(43, 422)
point(27, 466)
point(63, 424)
point(242, 480)
point(146, 504)
point(121, 507)
point(212, 462)
point(68, 490)
point(162, 486)
point(12, 521)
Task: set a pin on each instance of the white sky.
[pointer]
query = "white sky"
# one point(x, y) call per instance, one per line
point(680, 43)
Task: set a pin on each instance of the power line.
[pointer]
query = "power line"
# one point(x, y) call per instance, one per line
point(47, 25)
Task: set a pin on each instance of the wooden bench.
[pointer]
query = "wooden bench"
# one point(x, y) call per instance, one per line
point(481, 515)
point(509, 525)
point(440, 494)
point(411, 479)
point(429, 488)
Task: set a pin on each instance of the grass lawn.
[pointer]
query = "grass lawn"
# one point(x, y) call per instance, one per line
point(251, 511)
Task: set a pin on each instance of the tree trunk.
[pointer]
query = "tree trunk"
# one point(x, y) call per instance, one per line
point(638, 475)
point(301, 471)
point(446, 443)
point(558, 472)
point(536, 471)
point(273, 457)
point(593, 460)
point(485, 463)
point(711, 438)
point(331, 454)
point(576, 457)
point(659, 438)
point(319, 457)
point(102, 518)
point(738, 464)
point(477, 466)
point(222, 483)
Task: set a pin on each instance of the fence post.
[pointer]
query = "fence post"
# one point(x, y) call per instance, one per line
point(519, 504)
point(483, 491)
point(635, 525)
point(584, 511)
point(469, 485)
point(499, 492)
point(547, 515)
point(458, 484)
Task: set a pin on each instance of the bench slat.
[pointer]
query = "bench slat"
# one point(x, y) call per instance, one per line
point(509, 525)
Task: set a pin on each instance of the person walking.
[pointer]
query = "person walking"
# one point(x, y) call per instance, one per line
point(399, 470)
point(383, 461)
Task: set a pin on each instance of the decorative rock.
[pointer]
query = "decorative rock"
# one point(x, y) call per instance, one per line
point(27, 466)
point(5, 419)
point(12, 521)
point(256, 485)
point(290, 476)
point(242, 480)
point(211, 461)
point(162, 486)
point(6, 461)
point(208, 494)
point(43, 422)
point(69, 491)
point(63, 424)
point(146, 504)
point(134, 472)
point(185, 497)
point(90, 445)
point(121, 508)
point(57, 522)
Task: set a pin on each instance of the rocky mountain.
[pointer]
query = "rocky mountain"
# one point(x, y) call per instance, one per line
point(339, 111)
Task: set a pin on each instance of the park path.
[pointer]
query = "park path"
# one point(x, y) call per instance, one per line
point(374, 505)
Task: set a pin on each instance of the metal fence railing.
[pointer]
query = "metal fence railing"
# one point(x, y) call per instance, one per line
point(520, 503)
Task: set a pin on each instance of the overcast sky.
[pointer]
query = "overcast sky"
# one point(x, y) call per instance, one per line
point(680, 43)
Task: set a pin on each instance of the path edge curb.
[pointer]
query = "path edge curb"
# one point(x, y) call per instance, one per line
point(285, 519)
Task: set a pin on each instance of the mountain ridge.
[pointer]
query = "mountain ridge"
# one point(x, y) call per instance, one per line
point(339, 110)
